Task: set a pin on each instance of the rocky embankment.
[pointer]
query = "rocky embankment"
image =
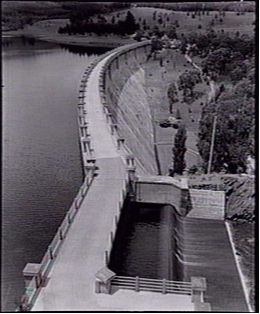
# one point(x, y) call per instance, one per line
point(240, 198)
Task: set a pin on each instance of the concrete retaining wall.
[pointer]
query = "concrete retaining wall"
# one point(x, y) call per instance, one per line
point(207, 204)
point(163, 190)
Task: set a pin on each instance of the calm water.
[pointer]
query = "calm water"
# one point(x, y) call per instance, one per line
point(144, 244)
point(41, 159)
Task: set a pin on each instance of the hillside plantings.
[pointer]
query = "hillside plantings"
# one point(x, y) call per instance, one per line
point(235, 112)
point(179, 151)
point(172, 96)
point(80, 25)
point(187, 82)
point(203, 7)
point(18, 14)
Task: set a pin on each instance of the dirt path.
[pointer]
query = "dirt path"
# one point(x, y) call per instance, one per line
point(212, 93)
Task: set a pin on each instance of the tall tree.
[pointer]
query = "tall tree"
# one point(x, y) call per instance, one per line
point(234, 131)
point(130, 24)
point(172, 95)
point(179, 150)
point(187, 81)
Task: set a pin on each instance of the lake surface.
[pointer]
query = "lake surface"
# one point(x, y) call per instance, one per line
point(42, 169)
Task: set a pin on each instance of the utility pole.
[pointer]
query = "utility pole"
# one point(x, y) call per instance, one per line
point(212, 144)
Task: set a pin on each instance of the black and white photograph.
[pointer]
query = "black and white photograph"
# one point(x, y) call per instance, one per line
point(129, 156)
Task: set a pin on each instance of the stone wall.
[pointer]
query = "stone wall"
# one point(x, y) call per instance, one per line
point(127, 101)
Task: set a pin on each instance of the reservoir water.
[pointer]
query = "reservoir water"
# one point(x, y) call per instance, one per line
point(42, 168)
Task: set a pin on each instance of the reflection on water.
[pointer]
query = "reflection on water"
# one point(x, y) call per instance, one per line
point(82, 51)
point(41, 160)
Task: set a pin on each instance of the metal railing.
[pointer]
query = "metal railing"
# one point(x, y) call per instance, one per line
point(34, 286)
point(155, 285)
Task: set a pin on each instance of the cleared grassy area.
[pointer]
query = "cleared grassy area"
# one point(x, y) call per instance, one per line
point(158, 79)
point(231, 22)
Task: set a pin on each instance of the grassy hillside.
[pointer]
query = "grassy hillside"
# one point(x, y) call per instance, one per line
point(17, 14)
point(248, 6)
point(231, 22)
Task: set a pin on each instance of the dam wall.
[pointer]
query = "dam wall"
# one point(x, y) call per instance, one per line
point(125, 98)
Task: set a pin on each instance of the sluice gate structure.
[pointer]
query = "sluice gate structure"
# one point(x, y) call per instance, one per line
point(117, 146)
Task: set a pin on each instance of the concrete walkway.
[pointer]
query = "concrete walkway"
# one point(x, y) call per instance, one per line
point(71, 286)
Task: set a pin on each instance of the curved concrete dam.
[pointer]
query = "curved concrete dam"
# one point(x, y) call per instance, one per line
point(117, 144)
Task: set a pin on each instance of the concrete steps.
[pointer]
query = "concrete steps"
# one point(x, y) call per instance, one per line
point(207, 204)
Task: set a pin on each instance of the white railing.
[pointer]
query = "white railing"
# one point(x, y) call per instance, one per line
point(112, 234)
point(155, 285)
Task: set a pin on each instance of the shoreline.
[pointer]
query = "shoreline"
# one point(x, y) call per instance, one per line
point(47, 30)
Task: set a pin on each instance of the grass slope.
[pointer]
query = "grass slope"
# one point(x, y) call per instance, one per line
point(231, 22)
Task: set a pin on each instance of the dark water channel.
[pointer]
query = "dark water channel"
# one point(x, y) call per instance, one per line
point(145, 242)
point(42, 169)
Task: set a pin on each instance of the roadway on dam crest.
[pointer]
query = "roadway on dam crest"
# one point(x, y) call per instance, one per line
point(71, 284)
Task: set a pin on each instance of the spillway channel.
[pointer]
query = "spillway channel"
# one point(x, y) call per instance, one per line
point(144, 245)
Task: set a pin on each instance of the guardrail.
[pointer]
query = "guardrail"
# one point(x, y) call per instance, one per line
point(112, 234)
point(156, 285)
point(38, 278)
point(195, 290)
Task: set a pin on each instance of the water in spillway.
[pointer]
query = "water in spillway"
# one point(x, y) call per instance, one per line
point(144, 245)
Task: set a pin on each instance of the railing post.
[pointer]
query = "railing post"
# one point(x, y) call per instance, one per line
point(76, 204)
point(137, 284)
point(116, 220)
point(111, 237)
point(68, 215)
point(199, 286)
point(50, 252)
point(82, 191)
point(84, 147)
point(120, 142)
point(108, 115)
point(106, 258)
point(164, 286)
point(61, 234)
